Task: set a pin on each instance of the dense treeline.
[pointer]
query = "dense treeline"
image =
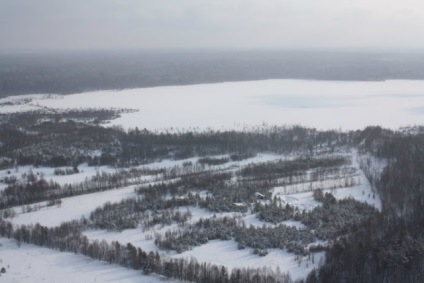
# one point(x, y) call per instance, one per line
point(33, 188)
point(129, 213)
point(71, 72)
point(388, 247)
point(70, 138)
point(328, 221)
point(376, 253)
point(337, 217)
point(258, 238)
point(137, 144)
point(401, 184)
point(292, 168)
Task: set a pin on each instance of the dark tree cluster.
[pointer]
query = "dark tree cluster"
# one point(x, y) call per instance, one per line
point(58, 139)
point(198, 234)
point(29, 192)
point(191, 182)
point(73, 137)
point(35, 188)
point(213, 161)
point(275, 212)
point(291, 168)
point(389, 246)
point(129, 213)
point(337, 217)
point(226, 198)
point(258, 238)
point(66, 171)
point(279, 237)
point(328, 221)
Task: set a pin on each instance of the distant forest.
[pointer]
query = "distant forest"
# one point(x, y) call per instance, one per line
point(65, 72)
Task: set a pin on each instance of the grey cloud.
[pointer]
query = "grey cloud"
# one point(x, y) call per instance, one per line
point(210, 23)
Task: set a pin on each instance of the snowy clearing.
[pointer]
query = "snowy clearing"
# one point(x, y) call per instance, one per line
point(301, 195)
point(30, 263)
point(226, 253)
point(72, 208)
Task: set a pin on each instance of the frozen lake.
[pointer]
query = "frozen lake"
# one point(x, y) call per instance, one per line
point(321, 104)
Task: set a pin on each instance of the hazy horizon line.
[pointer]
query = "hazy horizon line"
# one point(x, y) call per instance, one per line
point(217, 49)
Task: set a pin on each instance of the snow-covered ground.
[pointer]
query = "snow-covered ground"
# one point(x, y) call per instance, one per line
point(226, 253)
point(220, 252)
point(48, 173)
point(30, 263)
point(217, 252)
point(72, 208)
point(306, 201)
point(363, 191)
point(321, 104)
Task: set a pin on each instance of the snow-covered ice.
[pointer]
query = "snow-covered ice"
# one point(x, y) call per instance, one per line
point(321, 104)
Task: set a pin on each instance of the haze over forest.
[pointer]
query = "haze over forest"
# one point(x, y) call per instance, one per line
point(65, 72)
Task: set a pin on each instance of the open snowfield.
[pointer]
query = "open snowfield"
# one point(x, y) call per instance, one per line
point(30, 263)
point(72, 208)
point(306, 201)
point(321, 104)
point(227, 254)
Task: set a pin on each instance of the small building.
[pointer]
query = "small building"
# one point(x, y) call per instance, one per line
point(259, 195)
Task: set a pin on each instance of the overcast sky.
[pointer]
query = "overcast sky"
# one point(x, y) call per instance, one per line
point(211, 23)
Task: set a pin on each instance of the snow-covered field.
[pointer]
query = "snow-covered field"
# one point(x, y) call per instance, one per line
point(217, 252)
point(72, 208)
point(226, 253)
point(321, 104)
point(30, 263)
